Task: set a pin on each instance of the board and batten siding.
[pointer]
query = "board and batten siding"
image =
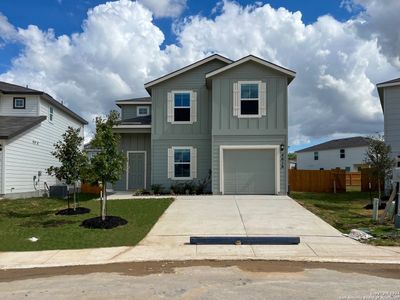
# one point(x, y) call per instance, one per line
point(227, 129)
point(166, 135)
point(30, 152)
point(129, 111)
point(160, 159)
point(135, 142)
point(392, 120)
point(31, 105)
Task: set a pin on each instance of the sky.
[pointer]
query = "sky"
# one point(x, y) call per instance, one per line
point(88, 53)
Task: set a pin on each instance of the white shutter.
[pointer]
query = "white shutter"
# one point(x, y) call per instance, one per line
point(193, 110)
point(170, 109)
point(170, 163)
point(193, 162)
point(236, 104)
point(263, 99)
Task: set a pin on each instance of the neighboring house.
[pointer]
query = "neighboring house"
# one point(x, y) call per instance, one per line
point(227, 117)
point(389, 95)
point(31, 122)
point(347, 154)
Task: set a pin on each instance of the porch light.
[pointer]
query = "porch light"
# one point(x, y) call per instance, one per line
point(282, 147)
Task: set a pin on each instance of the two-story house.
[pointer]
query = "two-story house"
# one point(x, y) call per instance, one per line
point(347, 154)
point(216, 115)
point(389, 95)
point(31, 122)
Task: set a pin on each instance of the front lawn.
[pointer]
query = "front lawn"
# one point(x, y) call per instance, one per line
point(24, 218)
point(345, 211)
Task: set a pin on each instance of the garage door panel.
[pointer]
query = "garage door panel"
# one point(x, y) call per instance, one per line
point(249, 171)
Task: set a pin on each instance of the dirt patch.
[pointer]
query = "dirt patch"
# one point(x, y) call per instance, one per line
point(148, 268)
point(73, 212)
point(109, 223)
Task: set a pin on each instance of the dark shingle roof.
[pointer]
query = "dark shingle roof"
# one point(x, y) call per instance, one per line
point(8, 88)
point(357, 141)
point(12, 126)
point(146, 120)
point(140, 99)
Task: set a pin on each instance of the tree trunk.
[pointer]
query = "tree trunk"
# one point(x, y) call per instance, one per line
point(74, 196)
point(379, 190)
point(103, 203)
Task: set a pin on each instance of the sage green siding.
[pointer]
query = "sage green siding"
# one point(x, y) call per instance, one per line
point(135, 142)
point(197, 135)
point(228, 129)
point(129, 111)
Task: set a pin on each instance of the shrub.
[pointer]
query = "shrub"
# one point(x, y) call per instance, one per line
point(157, 189)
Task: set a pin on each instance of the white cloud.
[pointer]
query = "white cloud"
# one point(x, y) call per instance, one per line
point(119, 50)
point(381, 20)
point(165, 8)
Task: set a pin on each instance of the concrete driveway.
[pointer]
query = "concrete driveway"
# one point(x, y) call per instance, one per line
point(250, 216)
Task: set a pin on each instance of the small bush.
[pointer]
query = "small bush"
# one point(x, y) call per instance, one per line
point(157, 189)
point(140, 192)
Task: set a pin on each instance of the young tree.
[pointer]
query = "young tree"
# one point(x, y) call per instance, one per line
point(379, 159)
point(72, 159)
point(107, 164)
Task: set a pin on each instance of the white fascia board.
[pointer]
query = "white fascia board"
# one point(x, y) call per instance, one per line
point(382, 85)
point(252, 58)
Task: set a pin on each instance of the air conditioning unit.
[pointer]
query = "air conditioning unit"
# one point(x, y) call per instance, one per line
point(59, 191)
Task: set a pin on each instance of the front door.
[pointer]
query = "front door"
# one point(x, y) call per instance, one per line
point(136, 170)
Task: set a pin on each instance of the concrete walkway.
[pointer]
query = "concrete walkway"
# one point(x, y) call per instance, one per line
point(222, 215)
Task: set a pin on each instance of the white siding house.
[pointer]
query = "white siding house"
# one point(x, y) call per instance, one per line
point(389, 94)
point(347, 154)
point(27, 137)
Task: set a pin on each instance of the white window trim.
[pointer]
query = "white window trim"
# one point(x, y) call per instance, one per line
point(240, 115)
point(15, 106)
point(173, 162)
point(277, 148)
point(142, 115)
point(190, 106)
point(127, 167)
point(52, 114)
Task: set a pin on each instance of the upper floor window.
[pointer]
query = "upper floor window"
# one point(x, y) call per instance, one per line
point(142, 111)
point(182, 163)
point(182, 107)
point(19, 103)
point(249, 99)
point(316, 156)
point(342, 153)
point(51, 114)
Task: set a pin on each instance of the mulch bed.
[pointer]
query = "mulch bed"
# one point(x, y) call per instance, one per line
point(370, 206)
point(72, 212)
point(109, 223)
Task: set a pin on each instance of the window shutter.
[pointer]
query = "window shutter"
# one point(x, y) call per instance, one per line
point(193, 162)
point(263, 99)
point(193, 111)
point(170, 108)
point(170, 163)
point(236, 104)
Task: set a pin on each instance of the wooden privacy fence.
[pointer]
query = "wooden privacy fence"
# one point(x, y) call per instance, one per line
point(90, 189)
point(353, 179)
point(318, 181)
point(366, 180)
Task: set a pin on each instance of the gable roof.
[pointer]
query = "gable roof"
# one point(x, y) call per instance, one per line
point(13, 126)
point(185, 69)
point(380, 86)
point(291, 74)
point(9, 88)
point(141, 100)
point(357, 141)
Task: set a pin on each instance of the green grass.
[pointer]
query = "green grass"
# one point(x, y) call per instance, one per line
point(345, 211)
point(21, 219)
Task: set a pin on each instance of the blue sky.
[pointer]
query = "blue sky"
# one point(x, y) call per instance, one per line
point(339, 48)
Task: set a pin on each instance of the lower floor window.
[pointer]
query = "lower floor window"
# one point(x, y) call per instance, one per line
point(182, 163)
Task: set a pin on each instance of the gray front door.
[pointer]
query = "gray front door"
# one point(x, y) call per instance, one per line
point(249, 172)
point(136, 171)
